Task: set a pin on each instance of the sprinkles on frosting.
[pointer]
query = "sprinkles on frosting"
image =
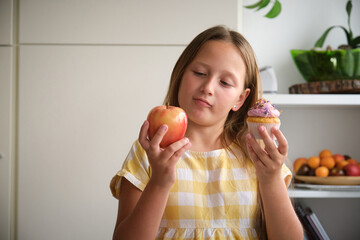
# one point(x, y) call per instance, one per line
point(263, 108)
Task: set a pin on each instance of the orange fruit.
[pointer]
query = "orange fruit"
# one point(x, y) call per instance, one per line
point(328, 162)
point(298, 163)
point(325, 153)
point(341, 164)
point(352, 161)
point(322, 171)
point(314, 162)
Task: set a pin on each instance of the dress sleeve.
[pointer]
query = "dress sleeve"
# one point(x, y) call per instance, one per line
point(287, 174)
point(136, 169)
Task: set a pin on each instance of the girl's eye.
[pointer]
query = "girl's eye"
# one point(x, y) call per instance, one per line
point(224, 83)
point(201, 74)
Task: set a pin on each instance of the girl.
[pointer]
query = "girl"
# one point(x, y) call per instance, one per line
point(217, 182)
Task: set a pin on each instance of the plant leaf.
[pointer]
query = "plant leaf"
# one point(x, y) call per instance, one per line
point(349, 36)
point(275, 10)
point(320, 42)
point(355, 42)
point(349, 8)
point(263, 4)
point(348, 11)
point(255, 5)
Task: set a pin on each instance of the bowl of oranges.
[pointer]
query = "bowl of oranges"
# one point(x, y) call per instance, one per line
point(327, 168)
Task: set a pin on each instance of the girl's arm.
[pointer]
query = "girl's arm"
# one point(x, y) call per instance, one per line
point(280, 217)
point(140, 213)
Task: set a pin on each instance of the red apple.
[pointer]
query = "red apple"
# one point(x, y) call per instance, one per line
point(338, 157)
point(352, 170)
point(174, 117)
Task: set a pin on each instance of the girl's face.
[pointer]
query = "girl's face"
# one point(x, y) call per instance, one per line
point(213, 84)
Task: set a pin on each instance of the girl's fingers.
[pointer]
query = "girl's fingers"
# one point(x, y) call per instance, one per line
point(270, 145)
point(256, 152)
point(160, 133)
point(185, 146)
point(283, 144)
point(143, 135)
point(252, 153)
point(173, 148)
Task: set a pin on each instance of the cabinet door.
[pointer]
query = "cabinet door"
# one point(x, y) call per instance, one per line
point(122, 21)
point(6, 22)
point(80, 109)
point(6, 126)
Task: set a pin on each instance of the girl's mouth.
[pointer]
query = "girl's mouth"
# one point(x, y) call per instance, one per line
point(202, 102)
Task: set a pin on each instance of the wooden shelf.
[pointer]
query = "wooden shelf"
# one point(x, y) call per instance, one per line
point(314, 99)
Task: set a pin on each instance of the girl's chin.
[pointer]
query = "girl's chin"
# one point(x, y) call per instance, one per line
point(202, 120)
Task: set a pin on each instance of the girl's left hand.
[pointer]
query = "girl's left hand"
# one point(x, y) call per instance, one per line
point(268, 161)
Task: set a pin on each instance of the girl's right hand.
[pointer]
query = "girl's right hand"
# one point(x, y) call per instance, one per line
point(162, 160)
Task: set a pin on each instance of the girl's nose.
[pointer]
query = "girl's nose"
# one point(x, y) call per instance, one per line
point(208, 86)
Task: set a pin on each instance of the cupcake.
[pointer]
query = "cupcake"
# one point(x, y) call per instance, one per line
point(263, 113)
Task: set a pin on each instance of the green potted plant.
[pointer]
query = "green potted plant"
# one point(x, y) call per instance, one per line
point(329, 65)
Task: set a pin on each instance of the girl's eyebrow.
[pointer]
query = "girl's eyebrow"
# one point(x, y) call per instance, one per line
point(201, 63)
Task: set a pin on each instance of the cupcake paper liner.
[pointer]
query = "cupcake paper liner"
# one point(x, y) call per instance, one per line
point(253, 128)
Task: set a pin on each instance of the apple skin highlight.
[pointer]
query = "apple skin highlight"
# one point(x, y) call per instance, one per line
point(174, 117)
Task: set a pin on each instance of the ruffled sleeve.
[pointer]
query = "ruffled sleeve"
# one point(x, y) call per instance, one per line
point(136, 169)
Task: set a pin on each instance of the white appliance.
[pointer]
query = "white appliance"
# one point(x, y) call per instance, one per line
point(269, 81)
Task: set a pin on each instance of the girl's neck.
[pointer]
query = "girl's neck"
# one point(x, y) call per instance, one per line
point(204, 139)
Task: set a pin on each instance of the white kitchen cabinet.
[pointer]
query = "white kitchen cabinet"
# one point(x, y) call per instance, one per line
point(7, 121)
point(88, 73)
point(80, 109)
point(122, 21)
point(6, 142)
point(6, 22)
point(315, 122)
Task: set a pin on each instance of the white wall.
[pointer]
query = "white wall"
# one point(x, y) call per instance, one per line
point(299, 25)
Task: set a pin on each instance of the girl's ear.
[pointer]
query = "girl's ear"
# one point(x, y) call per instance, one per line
point(241, 100)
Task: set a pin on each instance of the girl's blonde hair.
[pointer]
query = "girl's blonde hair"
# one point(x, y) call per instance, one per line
point(235, 127)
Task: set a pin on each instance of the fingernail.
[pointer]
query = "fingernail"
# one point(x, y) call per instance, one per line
point(248, 136)
point(186, 140)
point(164, 127)
point(262, 128)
